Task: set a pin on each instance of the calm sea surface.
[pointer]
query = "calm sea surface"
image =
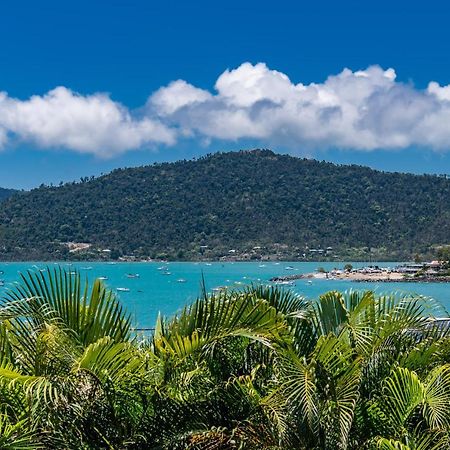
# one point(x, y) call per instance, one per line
point(166, 288)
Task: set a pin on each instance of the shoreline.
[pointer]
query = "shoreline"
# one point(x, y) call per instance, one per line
point(393, 277)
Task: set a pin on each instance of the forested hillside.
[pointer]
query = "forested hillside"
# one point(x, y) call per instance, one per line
point(5, 193)
point(254, 203)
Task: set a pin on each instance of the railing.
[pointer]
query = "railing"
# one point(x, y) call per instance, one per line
point(440, 321)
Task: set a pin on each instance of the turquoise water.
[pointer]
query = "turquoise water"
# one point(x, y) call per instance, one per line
point(154, 291)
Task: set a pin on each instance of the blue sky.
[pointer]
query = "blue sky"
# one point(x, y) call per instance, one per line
point(254, 74)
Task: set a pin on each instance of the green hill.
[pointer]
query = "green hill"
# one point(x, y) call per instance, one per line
point(254, 202)
point(5, 193)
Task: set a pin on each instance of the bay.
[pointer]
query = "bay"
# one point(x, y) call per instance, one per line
point(147, 289)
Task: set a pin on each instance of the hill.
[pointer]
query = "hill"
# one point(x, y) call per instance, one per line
point(257, 203)
point(5, 193)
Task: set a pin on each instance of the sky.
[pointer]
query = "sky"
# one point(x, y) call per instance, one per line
point(86, 87)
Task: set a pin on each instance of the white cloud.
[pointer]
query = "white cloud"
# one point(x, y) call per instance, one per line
point(87, 124)
point(442, 93)
point(249, 84)
point(362, 110)
point(176, 95)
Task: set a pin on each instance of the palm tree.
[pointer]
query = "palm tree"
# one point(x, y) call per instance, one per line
point(258, 368)
point(331, 378)
point(62, 346)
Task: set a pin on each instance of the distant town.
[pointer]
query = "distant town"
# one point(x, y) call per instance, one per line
point(268, 252)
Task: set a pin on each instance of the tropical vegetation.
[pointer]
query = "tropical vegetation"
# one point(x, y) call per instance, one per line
point(236, 205)
point(5, 193)
point(256, 368)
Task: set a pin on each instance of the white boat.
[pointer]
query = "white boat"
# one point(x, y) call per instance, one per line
point(103, 278)
point(181, 280)
point(120, 289)
point(288, 268)
point(285, 283)
point(167, 273)
point(132, 275)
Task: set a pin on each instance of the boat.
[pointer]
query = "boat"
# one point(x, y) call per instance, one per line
point(121, 289)
point(181, 280)
point(285, 283)
point(86, 268)
point(2, 283)
point(132, 275)
point(167, 273)
point(103, 278)
point(288, 268)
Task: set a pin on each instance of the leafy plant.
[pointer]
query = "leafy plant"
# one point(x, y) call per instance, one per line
point(257, 368)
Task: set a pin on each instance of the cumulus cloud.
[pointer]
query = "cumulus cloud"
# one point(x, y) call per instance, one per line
point(362, 110)
point(87, 124)
point(178, 94)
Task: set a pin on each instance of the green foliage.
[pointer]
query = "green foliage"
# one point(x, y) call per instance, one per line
point(281, 205)
point(258, 368)
point(444, 255)
point(6, 193)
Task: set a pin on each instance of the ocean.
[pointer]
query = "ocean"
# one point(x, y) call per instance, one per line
point(165, 288)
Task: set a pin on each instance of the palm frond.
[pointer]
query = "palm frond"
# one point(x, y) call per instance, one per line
point(60, 296)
